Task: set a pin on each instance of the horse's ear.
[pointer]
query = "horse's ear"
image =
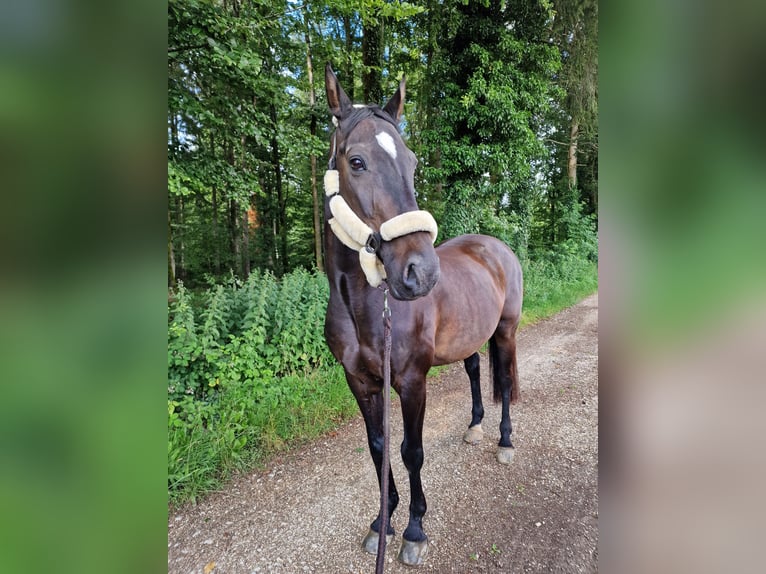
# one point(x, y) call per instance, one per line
point(337, 100)
point(395, 106)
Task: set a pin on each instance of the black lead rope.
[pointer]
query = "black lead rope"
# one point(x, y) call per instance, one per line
point(383, 528)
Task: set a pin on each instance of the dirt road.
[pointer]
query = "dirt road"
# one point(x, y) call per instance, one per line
point(310, 509)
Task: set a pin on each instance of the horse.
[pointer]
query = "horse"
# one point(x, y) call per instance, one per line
point(447, 301)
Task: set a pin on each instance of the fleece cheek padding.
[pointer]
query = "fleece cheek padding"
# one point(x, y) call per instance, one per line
point(342, 236)
point(354, 227)
point(331, 182)
point(409, 222)
point(372, 267)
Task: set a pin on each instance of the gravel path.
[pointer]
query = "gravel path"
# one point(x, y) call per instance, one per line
point(308, 511)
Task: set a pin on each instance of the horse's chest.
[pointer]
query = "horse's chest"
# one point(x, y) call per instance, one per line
point(360, 358)
point(369, 363)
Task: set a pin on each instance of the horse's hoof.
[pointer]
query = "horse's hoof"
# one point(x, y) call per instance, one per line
point(370, 542)
point(474, 434)
point(505, 454)
point(413, 553)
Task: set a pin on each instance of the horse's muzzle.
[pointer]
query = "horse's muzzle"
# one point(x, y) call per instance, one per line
point(418, 276)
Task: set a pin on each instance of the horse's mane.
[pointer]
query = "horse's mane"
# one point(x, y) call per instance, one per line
point(349, 123)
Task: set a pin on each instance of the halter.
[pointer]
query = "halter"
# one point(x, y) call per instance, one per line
point(355, 234)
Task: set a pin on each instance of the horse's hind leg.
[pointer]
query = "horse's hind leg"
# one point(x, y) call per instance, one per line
point(372, 411)
point(474, 433)
point(505, 383)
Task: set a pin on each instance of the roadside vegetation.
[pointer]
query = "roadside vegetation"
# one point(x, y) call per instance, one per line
point(249, 373)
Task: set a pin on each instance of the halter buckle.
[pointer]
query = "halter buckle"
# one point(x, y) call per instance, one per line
point(373, 242)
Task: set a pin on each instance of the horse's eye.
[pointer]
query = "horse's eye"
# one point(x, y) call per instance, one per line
point(357, 164)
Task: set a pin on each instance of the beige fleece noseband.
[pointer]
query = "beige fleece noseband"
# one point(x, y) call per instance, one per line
point(357, 235)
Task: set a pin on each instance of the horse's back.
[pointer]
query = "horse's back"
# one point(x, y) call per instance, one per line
point(466, 253)
point(480, 285)
point(475, 245)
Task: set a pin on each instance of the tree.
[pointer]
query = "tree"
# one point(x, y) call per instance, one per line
point(313, 130)
point(576, 33)
point(573, 190)
point(492, 69)
point(501, 113)
point(224, 136)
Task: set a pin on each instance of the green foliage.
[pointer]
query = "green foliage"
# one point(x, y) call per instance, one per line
point(247, 373)
point(261, 329)
point(209, 441)
point(492, 91)
point(232, 123)
point(492, 71)
point(579, 235)
point(554, 282)
point(184, 348)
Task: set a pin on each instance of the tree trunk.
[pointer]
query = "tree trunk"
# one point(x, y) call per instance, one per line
point(171, 256)
point(264, 240)
point(372, 40)
point(181, 268)
point(233, 235)
point(348, 79)
point(574, 132)
point(245, 234)
point(233, 219)
point(246, 244)
point(313, 157)
point(214, 200)
point(171, 251)
point(553, 199)
point(216, 252)
point(280, 218)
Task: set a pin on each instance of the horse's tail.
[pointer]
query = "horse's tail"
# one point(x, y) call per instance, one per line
point(498, 376)
point(514, 374)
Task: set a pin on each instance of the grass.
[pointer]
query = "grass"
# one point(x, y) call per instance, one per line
point(213, 449)
point(549, 288)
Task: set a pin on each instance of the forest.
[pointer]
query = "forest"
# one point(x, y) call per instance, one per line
point(501, 112)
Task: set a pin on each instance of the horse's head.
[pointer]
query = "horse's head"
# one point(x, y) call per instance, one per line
point(376, 179)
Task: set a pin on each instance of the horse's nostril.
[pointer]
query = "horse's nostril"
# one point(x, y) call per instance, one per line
point(411, 276)
point(418, 277)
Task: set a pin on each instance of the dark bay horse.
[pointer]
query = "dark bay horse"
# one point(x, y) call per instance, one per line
point(447, 301)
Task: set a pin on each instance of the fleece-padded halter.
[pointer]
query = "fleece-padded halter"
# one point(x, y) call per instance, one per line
point(357, 235)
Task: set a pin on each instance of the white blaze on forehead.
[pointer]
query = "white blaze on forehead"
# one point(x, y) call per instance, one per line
point(387, 143)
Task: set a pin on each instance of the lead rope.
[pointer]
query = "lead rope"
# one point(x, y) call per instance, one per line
point(383, 528)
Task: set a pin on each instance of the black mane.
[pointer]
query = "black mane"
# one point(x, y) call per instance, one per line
point(358, 114)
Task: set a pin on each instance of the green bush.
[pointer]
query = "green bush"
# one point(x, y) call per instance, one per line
point(258, 330)
point(245, 374)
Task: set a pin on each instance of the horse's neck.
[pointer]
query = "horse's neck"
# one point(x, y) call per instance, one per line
point(344, 273)
point(340, 259)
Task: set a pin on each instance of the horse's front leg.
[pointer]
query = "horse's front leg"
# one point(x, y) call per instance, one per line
point(371, 406)
point(413, 399)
